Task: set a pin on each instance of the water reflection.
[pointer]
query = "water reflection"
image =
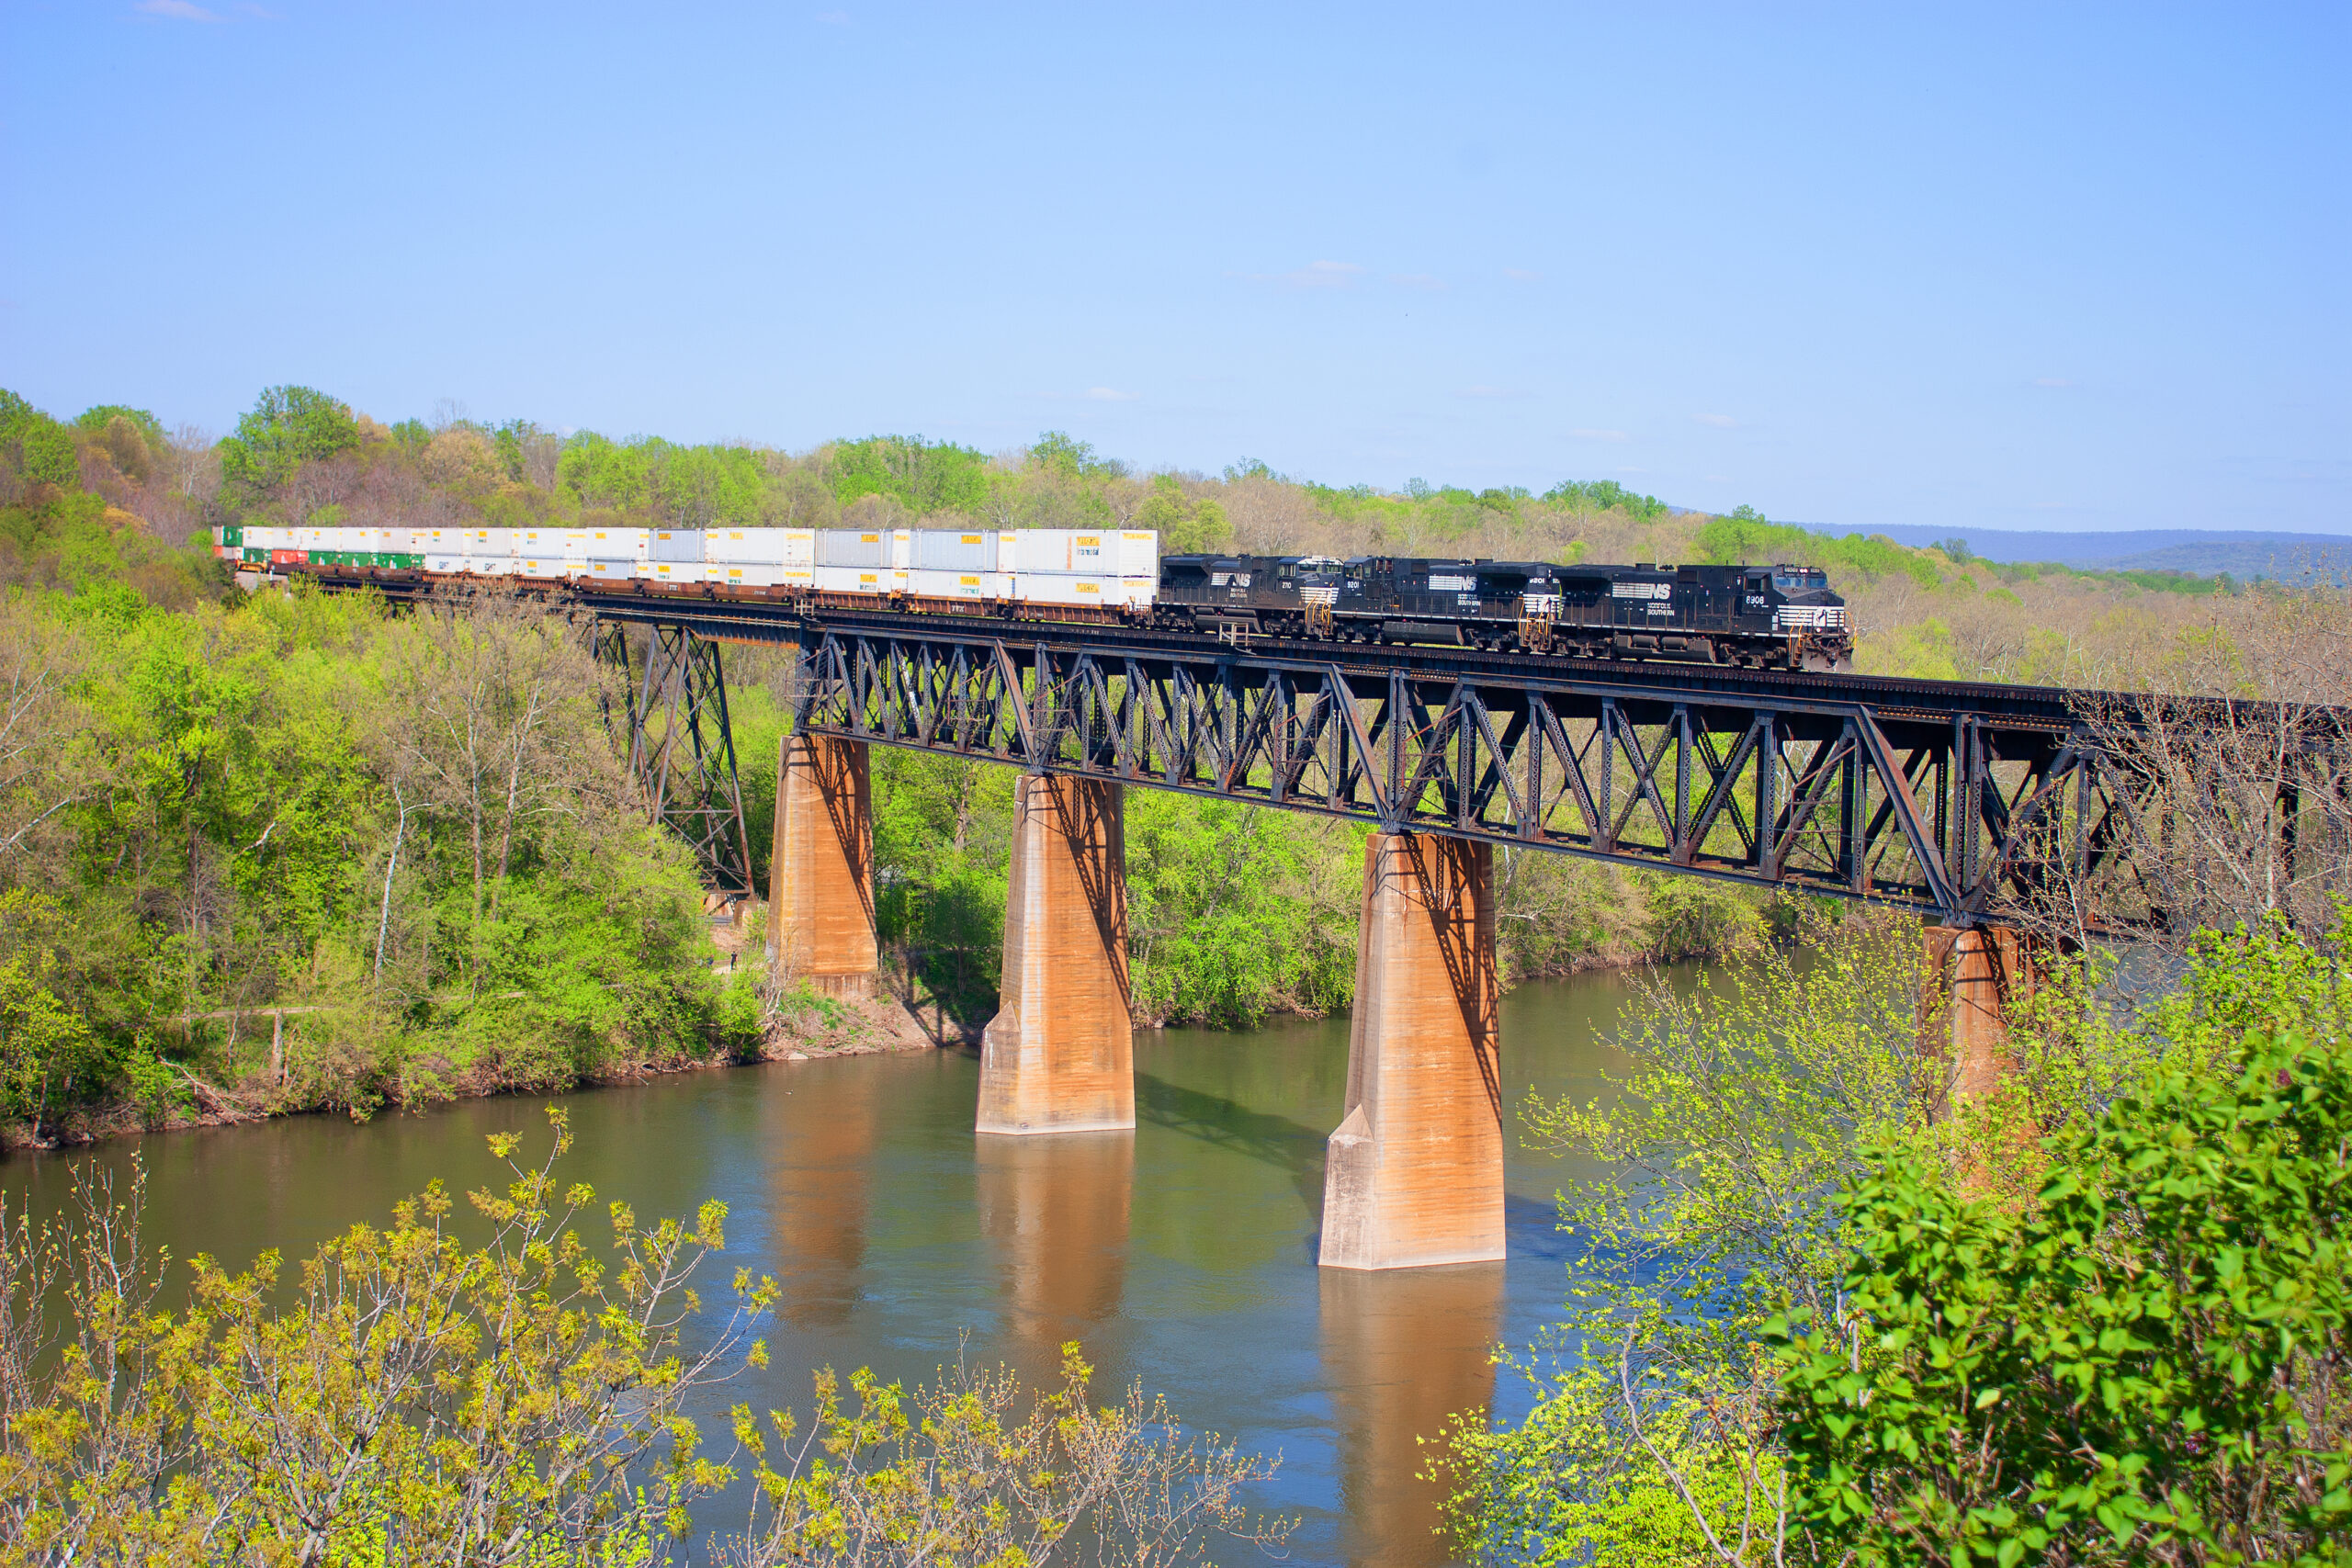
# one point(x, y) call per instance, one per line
point(823, 1141)
point(1054, 1208)
point(1404, 1350)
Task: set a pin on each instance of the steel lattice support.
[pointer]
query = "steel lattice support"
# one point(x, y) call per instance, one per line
point(1951, 815)
point(680, 744)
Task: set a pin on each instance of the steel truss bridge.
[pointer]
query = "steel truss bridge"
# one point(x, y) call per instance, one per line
point(1956, 799)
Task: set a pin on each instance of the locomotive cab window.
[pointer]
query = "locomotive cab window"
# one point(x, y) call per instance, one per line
point(1798, 580)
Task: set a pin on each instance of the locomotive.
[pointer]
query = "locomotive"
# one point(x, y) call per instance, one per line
point(1775, 618)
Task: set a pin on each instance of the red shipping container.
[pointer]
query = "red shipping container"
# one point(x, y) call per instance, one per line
point(289, 558)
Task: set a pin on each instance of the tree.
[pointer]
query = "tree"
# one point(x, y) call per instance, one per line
point(1747, 1102)
point(2146, 1362)
point(286, 428)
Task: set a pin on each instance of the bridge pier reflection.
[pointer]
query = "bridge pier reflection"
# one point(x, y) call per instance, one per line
point(820, 901)
point(1059, 1056)
point(1415, 1172)
point(1056, 1211)
point(822, 1142)
point(1403, 1350)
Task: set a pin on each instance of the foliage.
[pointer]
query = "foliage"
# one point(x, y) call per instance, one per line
point(527, 1398)
point(1746, 534)
point(1742, 1109)
point(2143, 1364)
point(958, 1473)
point(1605, 496)
point(922, 476)
point(286, 428)
point(521, 1401)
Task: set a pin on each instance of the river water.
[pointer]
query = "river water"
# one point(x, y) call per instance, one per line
point(1182, 1254)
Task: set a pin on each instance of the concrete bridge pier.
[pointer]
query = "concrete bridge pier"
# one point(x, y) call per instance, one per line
point(1059, 1056)
point(820, 877)
point(1975, 975)
point(1415, 1173)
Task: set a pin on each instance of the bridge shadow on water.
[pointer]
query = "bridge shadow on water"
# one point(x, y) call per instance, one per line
point(1289, 1146)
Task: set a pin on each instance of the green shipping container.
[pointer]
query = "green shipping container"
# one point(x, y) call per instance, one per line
point(232, 533)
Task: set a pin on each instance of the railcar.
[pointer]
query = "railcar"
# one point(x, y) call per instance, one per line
point(1781, 617)
point(1765, 617)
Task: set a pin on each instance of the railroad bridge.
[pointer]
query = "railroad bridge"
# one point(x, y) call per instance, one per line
point(1958, 800)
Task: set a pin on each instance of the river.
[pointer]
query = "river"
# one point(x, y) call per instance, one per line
point(1182, 1254)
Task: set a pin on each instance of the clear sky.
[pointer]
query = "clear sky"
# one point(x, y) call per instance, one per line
point(2040, 267)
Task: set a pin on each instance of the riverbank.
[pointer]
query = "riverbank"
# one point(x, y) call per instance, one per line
point(794, 1028)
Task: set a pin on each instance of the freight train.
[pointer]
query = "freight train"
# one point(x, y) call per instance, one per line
point(1784, 617)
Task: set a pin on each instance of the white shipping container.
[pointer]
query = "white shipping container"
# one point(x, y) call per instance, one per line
point(761, 547)
point(483, 543)
point(606, 571)
point(937, 549)
point(491, 566)
point(442, 541)
point(756, 574)
point(877, 581)
point(675, 545)
point(615, 543)
point(853, 547)
point(672, 571)
point(449, 564)
point(975, 585)
point(544, 566)
point(538, 542)
point(1137, 553)
point(397, 541)
point(1091, 591)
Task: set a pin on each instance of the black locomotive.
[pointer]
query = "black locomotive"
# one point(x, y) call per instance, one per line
point(1775, 618)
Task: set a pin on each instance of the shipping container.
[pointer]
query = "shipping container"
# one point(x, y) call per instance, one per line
point(761, 547)
point(615, 543)
point(758, 574)
point(975, 585)
point(404, 561)
point(256, 556)
point(620, 572)
point(938, 550)
point(549, 566)
point(444, 564)
point(877, 581)
point(675, 545)
point(673, 571)
point(442, 541)
point(853, 547)
point(573, 544)
point(539, 543)
point(491, 543)
point(491, 566)
point(1090, 590)
point(398, 541)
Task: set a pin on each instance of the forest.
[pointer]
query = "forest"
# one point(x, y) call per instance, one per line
point(278, 851)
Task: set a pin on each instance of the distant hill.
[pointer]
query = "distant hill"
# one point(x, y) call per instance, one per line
point(2202, 552)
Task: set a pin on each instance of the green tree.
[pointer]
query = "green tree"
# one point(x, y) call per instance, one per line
point(922, 476)
point(286, 428)
point(2143, 1363)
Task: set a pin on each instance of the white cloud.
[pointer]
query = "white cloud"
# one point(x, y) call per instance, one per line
point(1588, 435)
point(1109, 395)
point(176, 10)
point(1418, 280)
point(1483, 391)
point(1520, 275)
point(1719, 420)
point(2051, 381)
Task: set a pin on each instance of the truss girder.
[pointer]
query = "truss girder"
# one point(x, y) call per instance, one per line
point(1946, 814)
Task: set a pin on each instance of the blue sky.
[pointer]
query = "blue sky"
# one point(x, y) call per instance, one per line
point(2044, 267)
